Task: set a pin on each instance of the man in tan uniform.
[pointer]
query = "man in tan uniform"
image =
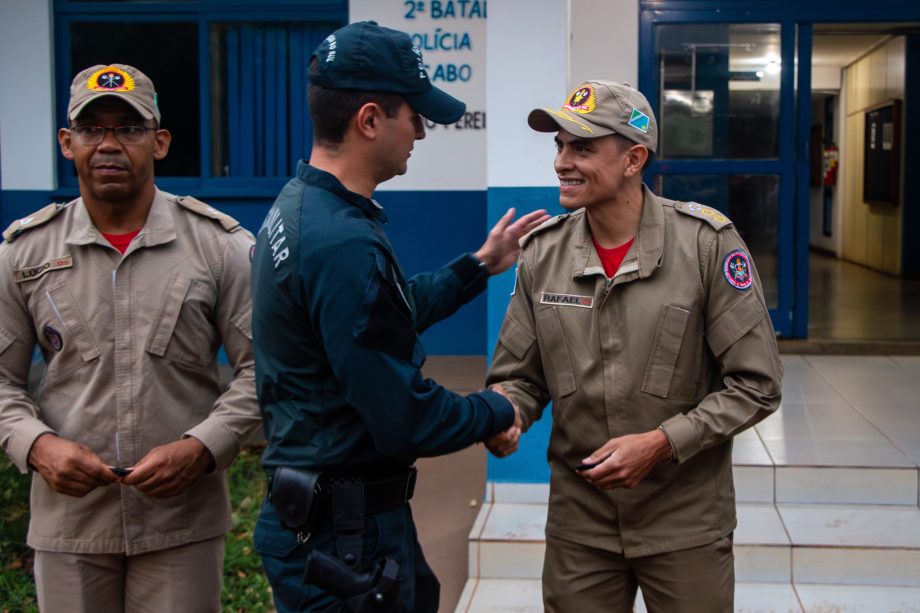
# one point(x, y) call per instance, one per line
point(643, 320)
point(128, 292)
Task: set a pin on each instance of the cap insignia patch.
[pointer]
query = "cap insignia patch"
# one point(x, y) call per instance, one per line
point(639, 120)
point(582, 100)
point(110, 79)
point(737, 269)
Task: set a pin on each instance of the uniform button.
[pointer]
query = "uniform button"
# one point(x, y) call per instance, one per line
point(350, 559)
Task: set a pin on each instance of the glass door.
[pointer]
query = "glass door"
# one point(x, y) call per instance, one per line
point(725, 98)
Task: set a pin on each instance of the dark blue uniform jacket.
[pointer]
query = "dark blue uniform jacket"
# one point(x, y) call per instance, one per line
point(335, 337)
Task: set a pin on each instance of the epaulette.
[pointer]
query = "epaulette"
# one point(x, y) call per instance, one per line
point(546, 225)
point(197, 206)
point(39, 217)
point(716, 219)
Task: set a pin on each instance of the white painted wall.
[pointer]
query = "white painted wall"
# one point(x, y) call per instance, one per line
point(27, 124)
point(527, 58)
point(604, 39)
point(826, 78)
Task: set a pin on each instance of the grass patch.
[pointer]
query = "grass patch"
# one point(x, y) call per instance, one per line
point(245, 590)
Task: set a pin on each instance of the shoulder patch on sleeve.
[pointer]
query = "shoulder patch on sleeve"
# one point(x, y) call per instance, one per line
point(205, 210)
point(34, 220)
point(546, 225)
point(716, 219)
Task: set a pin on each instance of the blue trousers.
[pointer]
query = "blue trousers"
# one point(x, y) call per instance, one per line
point(390, 534)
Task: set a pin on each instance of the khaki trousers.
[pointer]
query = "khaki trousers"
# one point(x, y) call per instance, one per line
point(181, 579)
point(588, 580)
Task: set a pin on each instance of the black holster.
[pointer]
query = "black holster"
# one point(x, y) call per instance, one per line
point(304, 500)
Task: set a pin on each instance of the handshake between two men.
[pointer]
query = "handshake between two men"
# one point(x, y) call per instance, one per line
point(623, 461)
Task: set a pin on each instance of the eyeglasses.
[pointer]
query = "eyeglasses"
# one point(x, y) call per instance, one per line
point(93, 135)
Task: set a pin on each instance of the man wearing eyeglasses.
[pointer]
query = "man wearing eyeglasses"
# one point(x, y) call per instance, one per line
point(128, 292)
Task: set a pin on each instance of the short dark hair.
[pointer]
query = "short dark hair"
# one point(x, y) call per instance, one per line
point(332, 109)
point(624, 143)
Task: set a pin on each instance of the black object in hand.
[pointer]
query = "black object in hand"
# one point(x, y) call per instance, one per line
point(121, 472)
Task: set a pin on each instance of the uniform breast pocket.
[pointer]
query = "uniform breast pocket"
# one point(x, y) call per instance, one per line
point(184, 330)
point(65, 337)
point(669, 337)
point(561, 374)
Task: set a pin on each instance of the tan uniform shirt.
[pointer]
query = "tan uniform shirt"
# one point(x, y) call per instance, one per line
point(130, 344)
point(675, 340)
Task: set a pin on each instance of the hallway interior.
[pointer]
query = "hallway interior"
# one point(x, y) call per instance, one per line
point(849, 303)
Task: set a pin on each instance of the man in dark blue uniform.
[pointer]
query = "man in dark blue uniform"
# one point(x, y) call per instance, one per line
point(336, 336)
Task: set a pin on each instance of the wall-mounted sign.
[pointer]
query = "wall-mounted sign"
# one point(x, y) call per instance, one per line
point(882, 154)
point(451, 35)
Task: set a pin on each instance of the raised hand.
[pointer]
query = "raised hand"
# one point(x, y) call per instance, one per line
point(502, 244)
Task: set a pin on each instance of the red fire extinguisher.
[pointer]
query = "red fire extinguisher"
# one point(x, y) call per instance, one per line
point(831, 161)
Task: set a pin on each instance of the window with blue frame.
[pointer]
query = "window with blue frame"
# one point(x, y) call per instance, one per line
point(230, 77)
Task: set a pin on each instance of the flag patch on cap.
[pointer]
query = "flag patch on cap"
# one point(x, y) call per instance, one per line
point(639, 120)
point(110, 79)
point(582, 100)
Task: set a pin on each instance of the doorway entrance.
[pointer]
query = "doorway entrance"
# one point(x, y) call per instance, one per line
point(860, 287)
point(751, 106)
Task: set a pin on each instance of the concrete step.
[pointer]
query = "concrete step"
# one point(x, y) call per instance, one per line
point(524, 596)
point(820, 544)
point(772, 463)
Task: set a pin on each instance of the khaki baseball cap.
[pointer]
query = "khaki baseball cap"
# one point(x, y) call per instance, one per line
point(119, 80)
point(599, 108)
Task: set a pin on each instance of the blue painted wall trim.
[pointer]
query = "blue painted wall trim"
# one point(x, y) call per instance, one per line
point(528, 465)
point(427, 228)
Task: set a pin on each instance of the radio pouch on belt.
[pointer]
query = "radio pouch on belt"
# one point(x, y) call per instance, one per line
point(297, 496)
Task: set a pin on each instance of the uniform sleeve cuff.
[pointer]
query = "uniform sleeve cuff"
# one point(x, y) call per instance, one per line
point(222, 445)
point(683, 438)
point(22, 440)
point(502, 411)
point(471, 272)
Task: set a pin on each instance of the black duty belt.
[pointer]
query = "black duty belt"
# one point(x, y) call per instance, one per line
point(304, 498)
point(380, 493)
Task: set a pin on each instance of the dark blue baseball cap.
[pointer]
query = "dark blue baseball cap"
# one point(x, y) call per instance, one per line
point(365, 56)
